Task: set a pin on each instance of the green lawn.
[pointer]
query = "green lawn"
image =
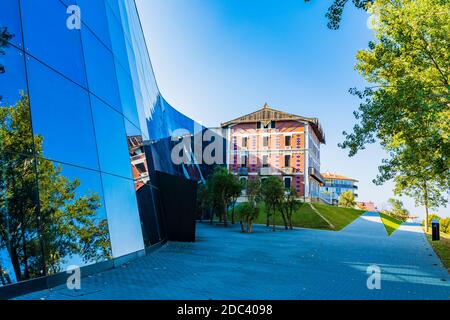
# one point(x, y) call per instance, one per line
point(442, 249)
point(306, 217)
point(339, 217)
point(391, 224)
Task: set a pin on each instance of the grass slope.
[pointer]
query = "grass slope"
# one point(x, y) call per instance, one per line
point(391, 224)
point(442, 248)
point(339, 217)
point(306, 217)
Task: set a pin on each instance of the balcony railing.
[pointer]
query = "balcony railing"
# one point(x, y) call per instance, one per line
point(266, 171)
point(243, 171)
point(287, 170)
point(313, 172)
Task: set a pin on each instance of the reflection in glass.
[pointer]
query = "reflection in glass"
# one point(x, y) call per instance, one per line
point(10, 29)
point(111, 139)
point(100, 69)
point(61, 114)
point(145, 192)
point(123, 215)
point(74, 224)
point(12, 72)
point(47, 38)
point(20, 246)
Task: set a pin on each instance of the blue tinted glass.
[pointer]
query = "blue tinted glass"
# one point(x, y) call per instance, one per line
point(117, 37)
point(62, 117)
point(50, 40)
point(100, 70)
point(93, 14)
point(75, 227)
point(111, 139)
point(12, 75)
point(19, 260)
point(127, 97)
point(123, 215)
point(10, 19)
point(131, 129)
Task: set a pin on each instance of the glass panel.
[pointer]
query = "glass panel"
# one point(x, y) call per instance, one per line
point(74, 224)
point(100, 70)
point(10, 22)
point(123, 216)
point(48, 38)
point(20, 245)
point(111, 139)
point(127, 96)
point(93, 14)
point(61, 117)
point(12, 75)
point(117, 35)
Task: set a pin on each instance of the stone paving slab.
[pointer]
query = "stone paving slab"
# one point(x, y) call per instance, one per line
point(296, 264)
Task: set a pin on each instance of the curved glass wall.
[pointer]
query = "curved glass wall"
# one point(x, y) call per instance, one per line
point(82, 128)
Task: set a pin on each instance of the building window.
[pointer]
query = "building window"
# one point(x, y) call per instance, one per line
point(265, 141)
point(287, 161)
point(287, 183)
point(244, 142)
point(287, 141)
point(244, 161)
point(265, 161)
point(258, 125)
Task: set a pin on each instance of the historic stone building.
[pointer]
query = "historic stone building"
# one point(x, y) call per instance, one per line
point(270, 142)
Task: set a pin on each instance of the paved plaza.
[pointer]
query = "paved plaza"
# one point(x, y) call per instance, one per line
point(297, 264)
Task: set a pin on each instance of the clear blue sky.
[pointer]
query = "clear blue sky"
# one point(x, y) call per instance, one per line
point(215, 60)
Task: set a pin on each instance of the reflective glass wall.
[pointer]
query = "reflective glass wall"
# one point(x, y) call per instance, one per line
point(82, 128)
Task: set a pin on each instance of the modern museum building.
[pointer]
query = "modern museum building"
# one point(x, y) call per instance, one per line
point(86, 177)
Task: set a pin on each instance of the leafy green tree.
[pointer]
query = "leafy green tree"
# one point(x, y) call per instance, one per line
point(407, 108)
point(223, 188)
point(335, 11)
point(41, 227)
point(347, 199)
point(248, 212)
point(288, 205)
point(397, 210)
point(272, 191)
point(235, 190)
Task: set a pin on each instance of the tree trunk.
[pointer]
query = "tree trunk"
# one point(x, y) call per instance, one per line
point(249, 225)
point(290, 222)
point(211, 216)
point(273, 221)
point(16, 264)
point(285, 221)
point(242, 225)
point(232, 213)
point(267, 216)
point(225, 216)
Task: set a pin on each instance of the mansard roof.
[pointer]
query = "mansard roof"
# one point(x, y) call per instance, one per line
point(267, 114)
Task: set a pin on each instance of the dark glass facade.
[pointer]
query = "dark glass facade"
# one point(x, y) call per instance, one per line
point(83, 128)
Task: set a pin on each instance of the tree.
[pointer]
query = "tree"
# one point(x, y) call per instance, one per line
point(223, 188)
point(235, 191)
point(407, 108)
point(288, 206)
point(249, 211)
point(40, 228)
point(272, 192)
point(335, 11)
point(397, 210)
point(347, 199)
